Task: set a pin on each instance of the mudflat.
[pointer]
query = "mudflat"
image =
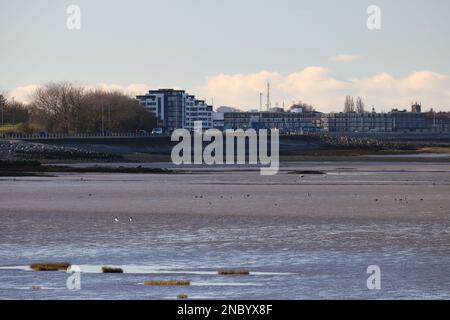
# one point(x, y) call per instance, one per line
point(359, 190)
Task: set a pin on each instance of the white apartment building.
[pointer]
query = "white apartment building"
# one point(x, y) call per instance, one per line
point(176, 109)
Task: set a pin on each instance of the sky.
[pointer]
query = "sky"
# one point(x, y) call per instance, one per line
point(226, 51)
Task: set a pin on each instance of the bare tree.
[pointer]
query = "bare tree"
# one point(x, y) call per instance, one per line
point(349, 105)
point(13, 112)
point(2, 109)
point(66, 108)
point(360, 106)
point(117, 112)
point(58, 106)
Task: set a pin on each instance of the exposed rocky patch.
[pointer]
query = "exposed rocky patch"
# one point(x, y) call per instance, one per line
point(28, 150)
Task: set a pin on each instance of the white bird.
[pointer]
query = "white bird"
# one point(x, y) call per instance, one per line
point(131, 219)
point(116, 219)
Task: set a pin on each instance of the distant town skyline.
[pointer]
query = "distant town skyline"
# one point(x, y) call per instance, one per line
point(318, 52)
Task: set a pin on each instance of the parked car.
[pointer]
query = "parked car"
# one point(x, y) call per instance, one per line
point(142, 133)
point(157, 131)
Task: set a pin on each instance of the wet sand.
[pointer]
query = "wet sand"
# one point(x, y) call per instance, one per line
point(357, 190)
point(301, 236)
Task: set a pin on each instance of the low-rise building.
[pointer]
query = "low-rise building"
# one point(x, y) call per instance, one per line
point(403, 121)
point(353, 122)
point(394, 121)
point(286, 122)
point(218, 120)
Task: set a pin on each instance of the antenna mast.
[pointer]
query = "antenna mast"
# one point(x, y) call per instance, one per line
point(260, 101)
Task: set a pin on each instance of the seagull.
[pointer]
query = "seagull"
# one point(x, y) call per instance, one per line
point(116, 219)
point(131, 219)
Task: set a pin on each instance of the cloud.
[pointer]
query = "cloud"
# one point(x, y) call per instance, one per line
point(319, 86)
point(314, 85)
point(243, 88)
point(344, 58)
point(22, 94)
point(132, 89)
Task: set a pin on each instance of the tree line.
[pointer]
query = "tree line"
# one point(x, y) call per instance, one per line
point(12, 112)
point(70, 109)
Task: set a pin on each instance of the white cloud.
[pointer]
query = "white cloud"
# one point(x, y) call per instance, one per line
point(344, 58)
point(22, 94)
point(132, 89)
point(238, 89)
point(320, 87)
point(315, 85)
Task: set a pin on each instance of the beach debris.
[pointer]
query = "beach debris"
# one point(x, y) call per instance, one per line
point(182, 296)
point(50, 266)
point(233, 272)
point(168, 283)
point(106, 269)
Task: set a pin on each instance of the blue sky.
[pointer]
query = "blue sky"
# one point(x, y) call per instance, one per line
point(229, 49)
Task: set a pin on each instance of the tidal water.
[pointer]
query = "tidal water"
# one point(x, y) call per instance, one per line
point(309, 237)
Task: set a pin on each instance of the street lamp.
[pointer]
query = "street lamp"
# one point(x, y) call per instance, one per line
point(103, 123)
point(2, 102)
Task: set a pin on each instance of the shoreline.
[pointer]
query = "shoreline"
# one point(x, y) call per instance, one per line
point(151, 164)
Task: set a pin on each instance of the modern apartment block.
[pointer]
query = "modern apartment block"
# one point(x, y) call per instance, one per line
point(197, 111)
point(176, 109)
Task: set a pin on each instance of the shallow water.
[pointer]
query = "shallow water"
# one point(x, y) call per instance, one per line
point(301, 238)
